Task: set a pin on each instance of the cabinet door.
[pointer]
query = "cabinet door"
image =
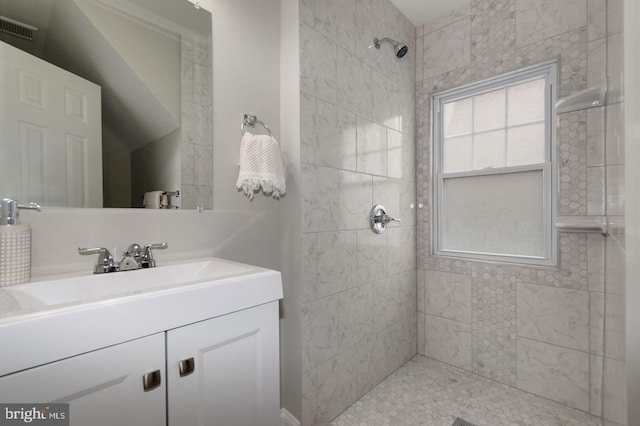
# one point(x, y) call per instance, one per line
point(235, 378)
point(104, 387)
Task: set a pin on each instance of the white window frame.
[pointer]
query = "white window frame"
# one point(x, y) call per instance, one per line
point(548, 70)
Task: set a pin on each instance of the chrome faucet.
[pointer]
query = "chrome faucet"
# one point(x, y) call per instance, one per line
point(135, 257)
point(147, 260)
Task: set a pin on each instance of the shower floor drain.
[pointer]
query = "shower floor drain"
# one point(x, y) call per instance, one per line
point(460, 422)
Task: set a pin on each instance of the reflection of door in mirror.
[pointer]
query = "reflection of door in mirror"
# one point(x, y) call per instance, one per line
point(151, 61)
point(51, 131)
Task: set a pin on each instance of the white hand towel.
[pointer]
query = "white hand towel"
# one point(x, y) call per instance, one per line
point(260, 166)
point(152, 199)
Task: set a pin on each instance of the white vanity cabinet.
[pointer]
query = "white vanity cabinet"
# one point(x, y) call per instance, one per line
point(224, 371)
point(103, 388)
point(90, 341)
point(219, 372)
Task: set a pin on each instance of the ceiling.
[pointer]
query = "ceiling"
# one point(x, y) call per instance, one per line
point(421, 11)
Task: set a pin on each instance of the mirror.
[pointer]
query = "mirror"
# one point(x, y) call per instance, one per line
point(106, 103)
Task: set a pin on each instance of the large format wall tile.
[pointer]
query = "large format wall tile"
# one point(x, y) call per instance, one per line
point(615, 396)
point(597, 62)
point(614, 327)
point(336, 386)
point(355, 315)
point(540, 19)
point(355, 200)
point(554, 372)
point(309, 271)
point(320, 201)
point(373, 258)
point(372, 361)
point(355, 83)
point(386, 191)
point(393, 299)
point(394, 154)
point(336, 264)
point(448, 341)
point(318, 64)
point(595, 262)
point(596, 323)
point(554, 315)
point(336, 20)
point(448, 295)
point(320, 331)
point(596, 365)
point(371, 147)
point(597, 18)
point(328, 134)
point(447, 49)
point(401, 251)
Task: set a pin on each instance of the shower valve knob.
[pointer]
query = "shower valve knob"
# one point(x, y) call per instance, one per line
point(380, 219)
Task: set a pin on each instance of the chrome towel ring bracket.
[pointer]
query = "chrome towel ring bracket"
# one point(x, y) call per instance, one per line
point(252, 120)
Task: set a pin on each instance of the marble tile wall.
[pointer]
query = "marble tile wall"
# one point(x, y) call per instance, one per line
point(197, 142)
point(558, 331)
point(357, 108)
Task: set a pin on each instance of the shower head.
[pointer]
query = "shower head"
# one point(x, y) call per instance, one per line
point(399, 48)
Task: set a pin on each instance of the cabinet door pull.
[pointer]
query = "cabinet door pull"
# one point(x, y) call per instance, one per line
point(151, 380)
point(187, 366)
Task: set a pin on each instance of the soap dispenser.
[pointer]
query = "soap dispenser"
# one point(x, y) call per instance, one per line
point(15, 244)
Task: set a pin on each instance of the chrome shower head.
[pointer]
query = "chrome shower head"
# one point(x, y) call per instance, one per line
point(399, 48)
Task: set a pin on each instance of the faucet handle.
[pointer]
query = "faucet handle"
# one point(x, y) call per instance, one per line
point(105, 260)
point(147, 256)
point(134, 250)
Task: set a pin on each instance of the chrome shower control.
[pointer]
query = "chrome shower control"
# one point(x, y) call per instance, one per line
point(380, 219)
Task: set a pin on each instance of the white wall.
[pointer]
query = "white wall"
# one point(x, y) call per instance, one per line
point(246, 80)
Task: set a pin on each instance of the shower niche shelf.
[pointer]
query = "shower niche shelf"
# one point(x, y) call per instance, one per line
point(592, 97)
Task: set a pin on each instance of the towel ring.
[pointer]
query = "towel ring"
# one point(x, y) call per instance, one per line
point(252, 120)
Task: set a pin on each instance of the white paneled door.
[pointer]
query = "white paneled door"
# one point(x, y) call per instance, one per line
point(50, 133)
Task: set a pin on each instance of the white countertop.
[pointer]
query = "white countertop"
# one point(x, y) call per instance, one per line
point(49, 320)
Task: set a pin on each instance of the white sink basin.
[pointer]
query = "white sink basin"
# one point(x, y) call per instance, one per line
point(78, 314)
point(43, 295)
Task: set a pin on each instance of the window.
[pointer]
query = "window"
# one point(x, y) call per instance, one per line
point(493, 169)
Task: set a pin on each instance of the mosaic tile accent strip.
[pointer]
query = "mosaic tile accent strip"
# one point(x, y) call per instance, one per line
point(494, 326)
point(572, 164)
point(430, 393)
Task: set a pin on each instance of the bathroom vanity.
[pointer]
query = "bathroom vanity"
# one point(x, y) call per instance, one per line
point(193, 343)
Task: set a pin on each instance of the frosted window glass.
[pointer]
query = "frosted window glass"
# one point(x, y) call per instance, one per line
point(494, 214)
point(526, 145)
point(489, 110)
point(489, 150)
point(526, 102)
point(457, 117)
point(458, 154)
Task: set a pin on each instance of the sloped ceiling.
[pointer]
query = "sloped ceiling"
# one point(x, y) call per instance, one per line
point(140, 99)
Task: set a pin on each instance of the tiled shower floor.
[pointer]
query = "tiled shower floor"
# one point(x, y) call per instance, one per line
point(428, 392)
